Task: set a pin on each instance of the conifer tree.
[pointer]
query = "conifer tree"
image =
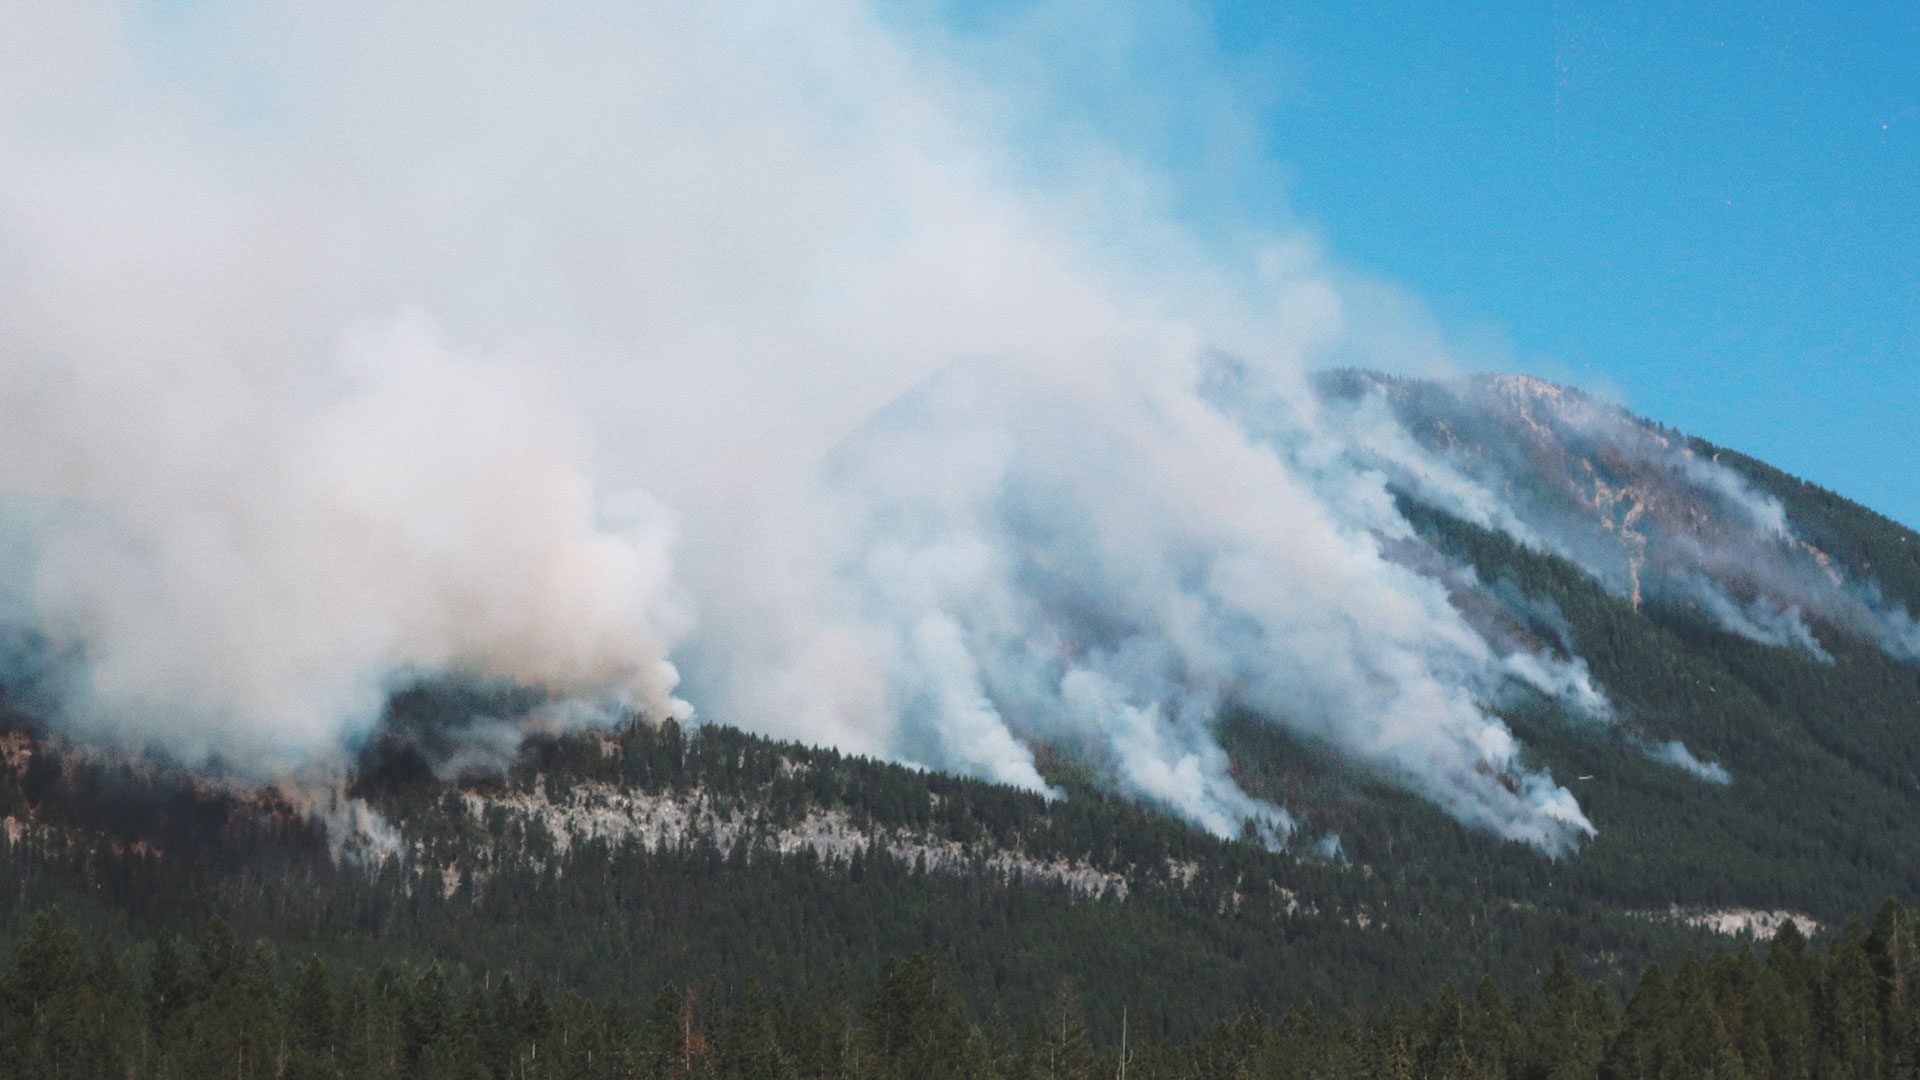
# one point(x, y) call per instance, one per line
point(312, 1024)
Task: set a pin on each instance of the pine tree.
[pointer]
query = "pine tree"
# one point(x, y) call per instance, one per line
point(429, 1026)
point(1893, 951)
point(170, 989)
point(1493, 1030)
point(662, 1041)
point(121, 1035)
point(1447, 1053)
point(918, 1026)
point(48, 1014)
point(1851, 1013)
point(1566, 1042)
point(1785, 1024)
point(312, 1024)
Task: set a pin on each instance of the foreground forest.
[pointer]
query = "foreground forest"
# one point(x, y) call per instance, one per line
point(659, 899)
point(220, 1007)
point(1206, 926)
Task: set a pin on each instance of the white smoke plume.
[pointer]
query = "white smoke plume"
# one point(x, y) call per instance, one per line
point(1674, 752)
point(1091, 556)
point(1763, 620)
point(1633, 505)
point(349, 340)
point(257, 591)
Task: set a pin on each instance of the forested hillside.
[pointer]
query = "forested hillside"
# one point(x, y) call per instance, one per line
point(1202, 926)
point(695, 898)
point(217, 1005)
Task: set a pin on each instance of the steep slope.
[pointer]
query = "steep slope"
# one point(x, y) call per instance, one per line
point(1746, 627)
point(1747, 750)
point(617, 865)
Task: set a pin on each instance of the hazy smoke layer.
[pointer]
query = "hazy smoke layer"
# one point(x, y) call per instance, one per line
point(342, 345)
point(256, 591)
point(1094, 559)
point(1635, 506)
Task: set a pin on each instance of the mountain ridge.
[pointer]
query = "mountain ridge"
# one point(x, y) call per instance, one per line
point(615, 861)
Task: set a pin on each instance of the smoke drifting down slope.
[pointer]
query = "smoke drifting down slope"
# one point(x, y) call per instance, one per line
point(1105, 561)
point(1635, 506)
point(732, 258)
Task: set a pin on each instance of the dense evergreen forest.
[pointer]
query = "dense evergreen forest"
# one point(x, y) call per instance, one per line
point(128, 850)
point(221, 1007)
point(417, 919)
point(131, 847)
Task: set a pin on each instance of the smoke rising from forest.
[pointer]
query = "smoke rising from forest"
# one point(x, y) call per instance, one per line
point(584, 348)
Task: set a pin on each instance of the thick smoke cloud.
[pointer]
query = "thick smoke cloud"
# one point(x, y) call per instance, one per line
point(1093, 558)
point(366, 345)
point(258, 593)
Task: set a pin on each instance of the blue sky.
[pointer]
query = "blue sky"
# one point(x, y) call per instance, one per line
point(1710, 211)
point(1713, 213)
